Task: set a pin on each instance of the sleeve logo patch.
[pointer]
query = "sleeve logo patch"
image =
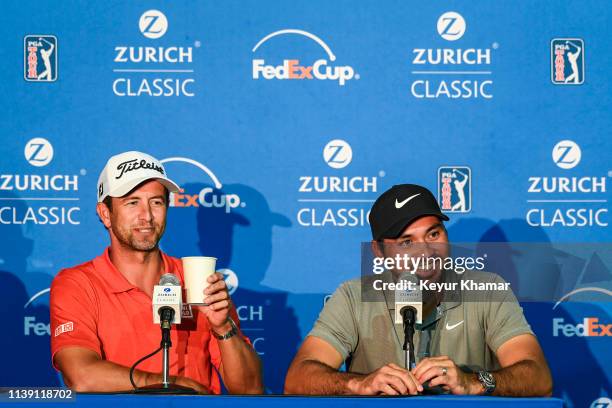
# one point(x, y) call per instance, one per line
point(64, 328)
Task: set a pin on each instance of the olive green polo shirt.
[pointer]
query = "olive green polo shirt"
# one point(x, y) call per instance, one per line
point(468, 331)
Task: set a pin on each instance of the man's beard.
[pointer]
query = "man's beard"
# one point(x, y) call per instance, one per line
point(145, 244)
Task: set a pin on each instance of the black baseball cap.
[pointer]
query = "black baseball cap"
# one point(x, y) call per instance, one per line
point(398, 207)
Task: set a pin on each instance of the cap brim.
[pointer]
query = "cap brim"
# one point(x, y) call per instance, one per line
point(401, 225)
point(127, 187)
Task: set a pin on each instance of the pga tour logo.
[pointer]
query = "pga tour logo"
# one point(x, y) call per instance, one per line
point(455, 189)
point(40, 58)
point(567, 61)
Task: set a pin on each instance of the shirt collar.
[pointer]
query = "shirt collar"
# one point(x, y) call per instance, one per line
point(115, 279)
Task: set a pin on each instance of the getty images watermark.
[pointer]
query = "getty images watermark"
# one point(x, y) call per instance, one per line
point(488, 271)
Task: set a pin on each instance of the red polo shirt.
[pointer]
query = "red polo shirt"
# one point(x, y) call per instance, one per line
point(94, 306)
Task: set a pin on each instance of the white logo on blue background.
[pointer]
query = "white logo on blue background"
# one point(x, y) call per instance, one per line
point(38, 152)
point(451, 26)
point(455, 189)
point(153, 24)
point(337, 154)
point(602, 402)
point(40, 58)
point(567, 61)
point(566, 154)
point(231, 280)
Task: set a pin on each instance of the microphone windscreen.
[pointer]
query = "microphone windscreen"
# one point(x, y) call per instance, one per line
point(169, 279)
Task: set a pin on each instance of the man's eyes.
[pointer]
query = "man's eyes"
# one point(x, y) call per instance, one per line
point(156, 202)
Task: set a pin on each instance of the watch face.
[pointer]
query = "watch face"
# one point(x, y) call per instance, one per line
point(487, 380)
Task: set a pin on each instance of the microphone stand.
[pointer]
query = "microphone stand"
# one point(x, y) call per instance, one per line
point(166, 387)
point(408, 316)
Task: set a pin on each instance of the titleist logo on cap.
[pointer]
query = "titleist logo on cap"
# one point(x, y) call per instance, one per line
point(134, 164)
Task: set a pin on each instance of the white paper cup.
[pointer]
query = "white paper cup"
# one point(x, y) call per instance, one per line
point(196, 269)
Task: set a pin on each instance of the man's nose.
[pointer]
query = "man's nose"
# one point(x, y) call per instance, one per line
point(424, 247)
point(146, 213)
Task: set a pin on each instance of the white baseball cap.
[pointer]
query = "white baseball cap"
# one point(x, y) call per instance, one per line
point(126, 170)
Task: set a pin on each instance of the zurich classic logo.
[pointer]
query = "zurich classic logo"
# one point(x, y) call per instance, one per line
point(231, 280)
point(602, 402)
point(451, 26)
point(153, 24)
point(566, 154)
point(38, 152)
point(337, 154)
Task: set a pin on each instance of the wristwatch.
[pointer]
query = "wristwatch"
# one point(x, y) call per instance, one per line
point(487, 380)
point(233, 331)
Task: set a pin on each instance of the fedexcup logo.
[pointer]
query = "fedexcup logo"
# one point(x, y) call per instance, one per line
point(296, 69)
point(38, 152)
point(451, 26)
point(566, 154)
point(153, 24)
point(207, 197)
point(337, 154)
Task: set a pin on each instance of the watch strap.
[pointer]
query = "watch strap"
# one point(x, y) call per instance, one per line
point(228, 335)
point(487, 380)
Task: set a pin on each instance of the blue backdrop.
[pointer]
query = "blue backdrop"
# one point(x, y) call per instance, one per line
point(283, 122)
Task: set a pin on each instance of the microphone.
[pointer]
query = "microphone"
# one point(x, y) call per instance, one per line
point(408, 315)
point(408, 311)
point(167, 301)
point(167, 304)
point(408, 294)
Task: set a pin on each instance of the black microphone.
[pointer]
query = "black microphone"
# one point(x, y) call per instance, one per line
point(408, 316)
point(166, 316)
point(409, 319)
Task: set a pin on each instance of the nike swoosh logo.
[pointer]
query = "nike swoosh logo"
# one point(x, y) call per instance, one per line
point(399, 205)
point(453, 326)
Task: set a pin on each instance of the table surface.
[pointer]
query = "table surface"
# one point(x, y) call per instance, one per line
point(271, 401)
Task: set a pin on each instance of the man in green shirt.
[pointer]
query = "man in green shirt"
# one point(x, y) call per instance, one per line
point(462, 346)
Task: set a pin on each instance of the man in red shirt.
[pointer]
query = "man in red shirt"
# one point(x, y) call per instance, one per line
point(101, 311)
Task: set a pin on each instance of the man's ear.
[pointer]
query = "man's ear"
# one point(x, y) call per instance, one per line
point(377, 249)
point(104, 214)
